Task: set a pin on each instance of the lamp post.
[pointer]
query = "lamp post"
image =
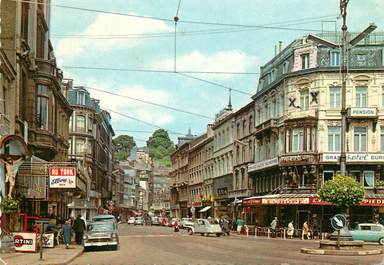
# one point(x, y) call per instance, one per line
point(344, 61)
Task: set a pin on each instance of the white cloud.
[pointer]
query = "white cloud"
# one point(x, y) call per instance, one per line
point(222, 61)
point(68, 49)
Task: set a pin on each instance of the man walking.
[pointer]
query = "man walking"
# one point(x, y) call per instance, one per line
point(79, 227)
point(273, 227)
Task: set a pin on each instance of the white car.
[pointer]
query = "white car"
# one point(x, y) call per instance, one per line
point(186, 223)
point(205, 228)
point(131, 220)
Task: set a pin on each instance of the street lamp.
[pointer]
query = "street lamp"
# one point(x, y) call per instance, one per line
point(344, 50)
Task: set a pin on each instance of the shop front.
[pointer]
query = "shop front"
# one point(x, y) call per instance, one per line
point(222, 202)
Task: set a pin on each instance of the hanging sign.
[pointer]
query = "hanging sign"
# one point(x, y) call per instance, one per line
point(62, 177)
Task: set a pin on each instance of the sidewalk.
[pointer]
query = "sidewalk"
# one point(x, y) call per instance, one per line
point(52, 256)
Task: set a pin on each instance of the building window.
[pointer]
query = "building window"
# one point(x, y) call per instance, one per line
point(382, 138)
point(356, 175)
point(273, 75)
point(285, 67)
point(304, 99)
point(90, 124)
point(81, 98)
point(334, 139)
point(304, 61)
point(297, 140)
point(335, 58)
point(382, 96)
point(327, 175)
point(369, 179)
point(250, 124)
point(361, 97)
point(70, 146)
point(80, 123)
point(244, 128)
point(24, 20)
point(42, 107)
point(334, 97)
point(360, 139)
point(80, 146)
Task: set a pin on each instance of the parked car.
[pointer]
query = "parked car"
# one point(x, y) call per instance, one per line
point(131, 220)
point(369, 232)
point(155, 220)
point(104, 217)
point(186, 223)
point(205, 228)
point(101, 234)
point(139, 220)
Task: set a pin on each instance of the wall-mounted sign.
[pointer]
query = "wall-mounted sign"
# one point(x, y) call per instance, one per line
point(284, 201)
point(297, 159)
point(263, 164)
point(362, 112)
point(354, 157)
point(25, 242)
point(62, 177)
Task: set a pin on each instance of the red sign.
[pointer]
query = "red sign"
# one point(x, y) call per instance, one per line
point(196, 204)
point(284, 201)
point(251, 202)
point(62, 171)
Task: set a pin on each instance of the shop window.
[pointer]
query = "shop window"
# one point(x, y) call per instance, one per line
point(369, 179)
point(327, 175)
point(356, 175)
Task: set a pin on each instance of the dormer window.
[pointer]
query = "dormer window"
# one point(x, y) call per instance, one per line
point(335, 58)
point(81, 98)
point(305, 61)
point(285, 67)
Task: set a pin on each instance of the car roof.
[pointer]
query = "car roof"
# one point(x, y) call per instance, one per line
point(103, 216)
point(370, 224)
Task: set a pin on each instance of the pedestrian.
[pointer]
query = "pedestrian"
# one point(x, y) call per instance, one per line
point(290, 229)
point(273, 226)
point(234, 225)
point(177, 225)
point(306, 232)
point(221, 223)
point(79, 228)
point(226, 227)
point(67, 233)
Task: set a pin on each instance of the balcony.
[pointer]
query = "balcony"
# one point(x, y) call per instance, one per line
point(266, 127)
point(47, 67)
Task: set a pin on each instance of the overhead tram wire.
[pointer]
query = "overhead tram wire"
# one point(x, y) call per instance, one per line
point(157, 71)
point(171, 20)
point(141, 131)
point(151, 103)
point(141, 121)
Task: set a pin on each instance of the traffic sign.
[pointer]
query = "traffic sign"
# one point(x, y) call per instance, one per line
point(338, 221)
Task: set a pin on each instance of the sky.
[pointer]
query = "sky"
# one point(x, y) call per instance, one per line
point(84, 38)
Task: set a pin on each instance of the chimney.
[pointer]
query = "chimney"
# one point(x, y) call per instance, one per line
point(280, 45)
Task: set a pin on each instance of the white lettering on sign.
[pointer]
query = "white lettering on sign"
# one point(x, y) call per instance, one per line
point(355, 157)
point(62, 171)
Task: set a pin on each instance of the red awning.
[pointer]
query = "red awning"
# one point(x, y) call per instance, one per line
point(301, 199)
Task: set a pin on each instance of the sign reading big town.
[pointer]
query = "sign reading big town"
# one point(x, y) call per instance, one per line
point(62, 177)
point(355, 157)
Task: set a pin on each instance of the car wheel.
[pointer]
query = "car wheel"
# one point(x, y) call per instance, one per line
point(201, 234)
point(115, 247)
point(205, 234)
point(381, 241)
point(218, 235)
point(190, 232)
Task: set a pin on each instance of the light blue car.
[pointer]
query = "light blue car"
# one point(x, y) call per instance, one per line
point(369, 232)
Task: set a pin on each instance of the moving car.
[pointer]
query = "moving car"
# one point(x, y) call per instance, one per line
point(186, 223)
point(369, 232)
point(101, 234)
point(131, 220)
point(155, 220)
point(139, 220)
point(205, 228)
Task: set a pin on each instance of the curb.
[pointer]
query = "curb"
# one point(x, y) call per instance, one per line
point(317, 251)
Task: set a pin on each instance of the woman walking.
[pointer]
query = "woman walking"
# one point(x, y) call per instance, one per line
point(290, 230)
point(67, 233)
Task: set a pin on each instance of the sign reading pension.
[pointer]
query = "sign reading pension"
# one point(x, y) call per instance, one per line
point(62, 177)
point(355, 157)
point(362, 112)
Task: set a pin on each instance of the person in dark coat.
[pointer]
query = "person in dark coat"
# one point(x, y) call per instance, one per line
point(79, 227)
point(67, 233)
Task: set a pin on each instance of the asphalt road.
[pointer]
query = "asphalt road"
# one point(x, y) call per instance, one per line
point(160, 245)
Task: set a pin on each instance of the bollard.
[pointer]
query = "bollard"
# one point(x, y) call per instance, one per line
point(269, 231)
point(255, 232)
point(284, 235)
point(247, 230)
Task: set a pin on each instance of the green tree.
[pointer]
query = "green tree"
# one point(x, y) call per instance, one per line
point(122, 146)
point(160, 146)
point(343, 191)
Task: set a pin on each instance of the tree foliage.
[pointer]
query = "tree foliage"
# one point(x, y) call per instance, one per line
point(122, 146)
point(343, 191)
point(160, 146)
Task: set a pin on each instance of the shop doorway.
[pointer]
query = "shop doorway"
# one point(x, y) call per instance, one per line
point(301, 217)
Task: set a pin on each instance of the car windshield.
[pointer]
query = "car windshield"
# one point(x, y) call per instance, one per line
point(98, 227)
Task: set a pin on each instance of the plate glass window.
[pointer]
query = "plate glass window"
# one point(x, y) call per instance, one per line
point(369, 179)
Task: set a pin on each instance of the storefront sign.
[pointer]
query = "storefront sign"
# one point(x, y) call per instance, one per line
point(222, 191)
point(196, 204)
point(263, 164)
point(284, 201)
point(362, 112)
point(62, 177)
point(251, 202)
point(296, 159)
point(354, 157)
point(25, 242)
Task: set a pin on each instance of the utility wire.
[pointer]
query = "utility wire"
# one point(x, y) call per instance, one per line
point(141, 131)
point(141, 121)
point(213, 83)
point(157, 71)
point(170, 20)
point(151, 103)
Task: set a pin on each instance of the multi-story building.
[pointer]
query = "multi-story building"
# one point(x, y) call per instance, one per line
point(208, 165)
point(161, 192)
point(243, 150)
point(297, 119)
point(223, 160)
